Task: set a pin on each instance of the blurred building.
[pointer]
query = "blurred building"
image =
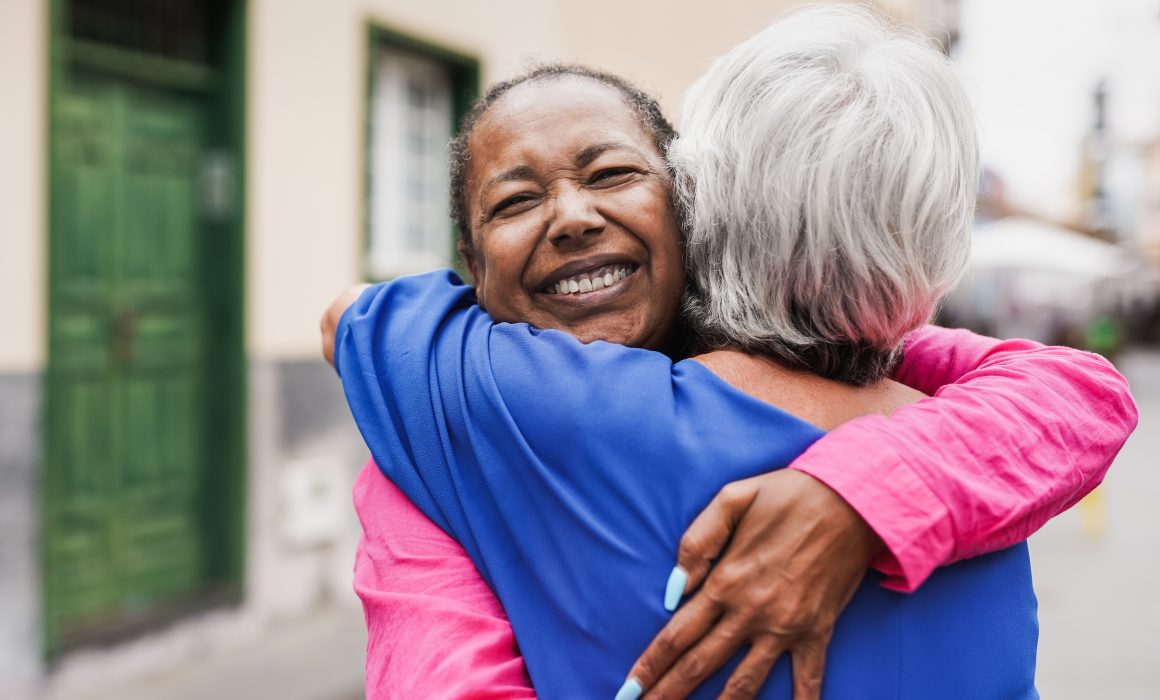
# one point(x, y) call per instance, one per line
point(184, 185)
point(1069, 115)
point(1150, 205)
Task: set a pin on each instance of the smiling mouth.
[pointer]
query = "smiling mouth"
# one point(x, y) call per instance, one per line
point(593, 280)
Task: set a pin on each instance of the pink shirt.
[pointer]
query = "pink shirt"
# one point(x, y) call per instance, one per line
point(1020, 433)
point(434, 628)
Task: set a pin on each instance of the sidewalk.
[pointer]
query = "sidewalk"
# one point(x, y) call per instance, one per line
point(319, 658)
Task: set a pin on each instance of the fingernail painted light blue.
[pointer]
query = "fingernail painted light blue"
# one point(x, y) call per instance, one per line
point(675, 588)
point(631, 690)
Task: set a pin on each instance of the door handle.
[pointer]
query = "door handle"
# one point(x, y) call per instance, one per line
point(124, 336)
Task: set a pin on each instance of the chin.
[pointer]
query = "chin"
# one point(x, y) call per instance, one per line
point(588, 335)
point(632, 331)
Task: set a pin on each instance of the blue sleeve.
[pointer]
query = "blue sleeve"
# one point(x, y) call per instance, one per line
point(569, 473)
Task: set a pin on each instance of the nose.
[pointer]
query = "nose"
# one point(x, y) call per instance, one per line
point(574, 215)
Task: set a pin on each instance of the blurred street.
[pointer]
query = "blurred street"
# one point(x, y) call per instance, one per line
point(316, 658)
point(1097, 570)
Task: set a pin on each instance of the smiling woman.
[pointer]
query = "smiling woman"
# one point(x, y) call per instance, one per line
point(564, 186)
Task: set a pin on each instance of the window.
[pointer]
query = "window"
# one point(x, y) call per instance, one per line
point(413, 109)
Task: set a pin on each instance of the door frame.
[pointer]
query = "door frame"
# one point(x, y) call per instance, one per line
point(226, 426)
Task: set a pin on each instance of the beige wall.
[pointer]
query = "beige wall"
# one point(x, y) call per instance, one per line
point(23, 85)
point(307, 102)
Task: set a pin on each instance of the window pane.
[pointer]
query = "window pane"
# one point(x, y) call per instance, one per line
point(410, 126)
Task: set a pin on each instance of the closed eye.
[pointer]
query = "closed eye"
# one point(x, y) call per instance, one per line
point(511, 203)
point(611, 176)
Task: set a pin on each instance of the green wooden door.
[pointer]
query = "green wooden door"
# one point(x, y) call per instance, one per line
point(125, 534)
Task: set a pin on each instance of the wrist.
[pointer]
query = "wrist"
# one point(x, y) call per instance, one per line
point(861, 540)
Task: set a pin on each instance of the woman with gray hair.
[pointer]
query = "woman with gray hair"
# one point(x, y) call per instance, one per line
point(827, 173)
point(569, 471)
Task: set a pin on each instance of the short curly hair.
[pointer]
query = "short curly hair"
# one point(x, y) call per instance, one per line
point(643, 106)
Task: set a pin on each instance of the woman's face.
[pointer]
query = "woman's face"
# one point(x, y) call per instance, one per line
point(571, 218)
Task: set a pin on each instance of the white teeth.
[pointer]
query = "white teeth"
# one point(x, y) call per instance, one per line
point(583, 284)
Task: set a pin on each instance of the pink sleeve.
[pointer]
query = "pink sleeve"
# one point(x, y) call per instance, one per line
point(434, 628)
point(1015, 434)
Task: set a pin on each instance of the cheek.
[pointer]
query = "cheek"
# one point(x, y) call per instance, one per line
point(651, 215)
point(499, 286)
point(669, 280)
point(659, 231)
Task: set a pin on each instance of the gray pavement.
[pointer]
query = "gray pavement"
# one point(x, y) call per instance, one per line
point(1097, 570)
point(320, 657)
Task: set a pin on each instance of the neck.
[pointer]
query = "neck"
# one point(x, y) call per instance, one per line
point(824, 402)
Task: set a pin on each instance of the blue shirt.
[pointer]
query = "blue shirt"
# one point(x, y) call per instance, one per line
point(569, 473)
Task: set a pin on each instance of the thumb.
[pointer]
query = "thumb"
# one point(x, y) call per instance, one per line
point(711, 530)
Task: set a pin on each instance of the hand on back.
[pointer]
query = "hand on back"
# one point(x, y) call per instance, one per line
point(328, 326)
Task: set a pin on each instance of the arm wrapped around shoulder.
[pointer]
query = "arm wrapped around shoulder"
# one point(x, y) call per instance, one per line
point(1015, 433)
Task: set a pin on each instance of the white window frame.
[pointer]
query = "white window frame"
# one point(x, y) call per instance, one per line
point(410, 124)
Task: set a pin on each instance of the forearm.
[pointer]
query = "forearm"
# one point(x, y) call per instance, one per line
point(1022, 434)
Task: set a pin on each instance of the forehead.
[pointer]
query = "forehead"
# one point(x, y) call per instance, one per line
point(552, 120)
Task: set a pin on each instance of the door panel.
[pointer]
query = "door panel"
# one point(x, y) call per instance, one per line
point(126, 357)
point(161, 373)
point(81, 581)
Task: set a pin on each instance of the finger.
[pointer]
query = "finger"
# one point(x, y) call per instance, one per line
point(710, 530)
point(751, 673)
point(809, 666)
point(327, 341)
point(699, 662)
point(329, 323)
point(688, 625)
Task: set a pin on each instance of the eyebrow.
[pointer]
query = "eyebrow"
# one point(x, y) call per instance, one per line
point(591, 153)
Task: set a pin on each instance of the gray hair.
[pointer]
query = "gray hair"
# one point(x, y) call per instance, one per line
point(826, 175)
